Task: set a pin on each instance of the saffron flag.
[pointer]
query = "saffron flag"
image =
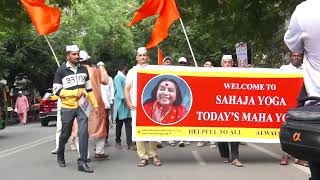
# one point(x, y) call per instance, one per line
point(160, 56)
point(45, 19)
point(149, 8)
point(168, 13)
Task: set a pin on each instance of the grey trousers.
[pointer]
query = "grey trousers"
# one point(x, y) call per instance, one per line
point(67, 118)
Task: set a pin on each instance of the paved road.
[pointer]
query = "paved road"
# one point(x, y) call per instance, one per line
point(25, 153)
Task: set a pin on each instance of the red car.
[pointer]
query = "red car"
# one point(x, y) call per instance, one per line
point(48, 108)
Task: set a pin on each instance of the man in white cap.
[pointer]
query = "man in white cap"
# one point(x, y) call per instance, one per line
point(97, 122)
point(167, 61)
point(22, 107)
point(145, 150)
point(71, 82)
point(232, 155)
point(227, 61)
point(183, 61)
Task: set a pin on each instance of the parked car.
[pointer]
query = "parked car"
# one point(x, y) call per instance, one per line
point(48, 108)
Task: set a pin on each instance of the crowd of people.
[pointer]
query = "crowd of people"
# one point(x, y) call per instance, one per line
point(116, 100)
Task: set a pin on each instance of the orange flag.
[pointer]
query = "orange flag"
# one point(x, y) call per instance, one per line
point(168, 15)
point(149, 8)
point(45, 19)
point(160, 56)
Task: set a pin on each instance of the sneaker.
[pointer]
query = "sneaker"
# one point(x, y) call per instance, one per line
point(181, 144)
point(187, 142)
point(172, 143)
point(200, 144)
point(54, 151)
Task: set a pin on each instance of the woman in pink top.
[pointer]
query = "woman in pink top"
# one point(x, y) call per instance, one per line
point(22, 107)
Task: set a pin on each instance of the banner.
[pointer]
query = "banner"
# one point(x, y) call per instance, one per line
point(213, 104)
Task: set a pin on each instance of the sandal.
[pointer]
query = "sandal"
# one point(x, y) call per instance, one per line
point(156, 161)
point(302, 162)
point(237, 163)
point(226, 160)
point(142, 163)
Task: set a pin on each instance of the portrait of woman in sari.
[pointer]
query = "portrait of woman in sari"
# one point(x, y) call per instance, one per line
point(164, 106)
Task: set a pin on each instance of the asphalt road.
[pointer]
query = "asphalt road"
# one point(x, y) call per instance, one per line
point(25, 154)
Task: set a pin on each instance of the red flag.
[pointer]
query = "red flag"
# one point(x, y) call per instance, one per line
point(149, 8)
point(160, 56)
point(45, 19)
point(168, 14)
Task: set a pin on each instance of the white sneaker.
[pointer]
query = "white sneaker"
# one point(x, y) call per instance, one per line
point(186, 142)
point(200, 144)
point(171, 143)
point(213, 145)
point(54, 151)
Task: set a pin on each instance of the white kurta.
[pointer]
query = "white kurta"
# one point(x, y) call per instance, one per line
point(107, 93)
point(291, 68)
point(303, 35)
point(132, 78)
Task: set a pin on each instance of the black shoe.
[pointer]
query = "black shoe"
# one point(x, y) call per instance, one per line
point(88, 160)
point(84, 168)
point(62, 163)
point(181, 144)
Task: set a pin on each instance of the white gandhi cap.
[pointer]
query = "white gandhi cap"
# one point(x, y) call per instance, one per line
point(72, 48)
point(83, 56)
point(142, 50)
point(182, 59)
point(100, 63)
point(227, 57)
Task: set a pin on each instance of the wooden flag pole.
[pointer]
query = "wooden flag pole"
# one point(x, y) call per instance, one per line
point(185, 33)
point(55, 57)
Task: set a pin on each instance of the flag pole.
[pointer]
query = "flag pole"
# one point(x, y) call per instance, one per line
point(185, 33)
point(55, 57)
